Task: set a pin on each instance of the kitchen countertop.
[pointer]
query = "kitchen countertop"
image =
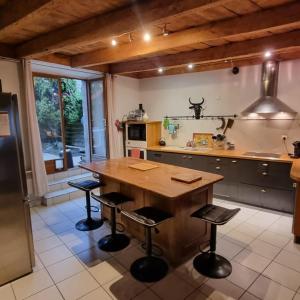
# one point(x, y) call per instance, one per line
point(221, 153)
point(157, 180)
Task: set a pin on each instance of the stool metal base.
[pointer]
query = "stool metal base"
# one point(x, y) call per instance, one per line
point(212, 265)
point(114, 242)
point(149, 269)
point(88, 224)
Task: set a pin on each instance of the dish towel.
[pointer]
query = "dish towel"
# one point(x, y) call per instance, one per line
point(136, 153)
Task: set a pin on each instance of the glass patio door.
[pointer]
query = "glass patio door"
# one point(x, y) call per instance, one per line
point(63, 121)
point(49, 113)
point(98, 121)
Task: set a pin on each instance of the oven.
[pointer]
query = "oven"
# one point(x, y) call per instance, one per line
point(136, 152)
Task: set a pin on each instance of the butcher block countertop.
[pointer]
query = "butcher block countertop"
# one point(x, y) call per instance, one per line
point(221, 153)
point(157, 180)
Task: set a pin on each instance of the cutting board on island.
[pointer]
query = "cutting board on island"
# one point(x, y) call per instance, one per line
point(143, 166)
point(186, 177)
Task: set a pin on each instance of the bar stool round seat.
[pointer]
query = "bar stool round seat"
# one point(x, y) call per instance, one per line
point(114, 241)
point(148, 268)
point(89, 223)
point(209, 263)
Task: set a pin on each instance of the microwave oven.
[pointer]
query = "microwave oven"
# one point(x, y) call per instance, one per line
point(136, 135)
point(136, 132)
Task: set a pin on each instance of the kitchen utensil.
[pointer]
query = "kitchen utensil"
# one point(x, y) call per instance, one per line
point(166, 123)
point(228, 125)
point(172, 129)
point(143, 166)
point(162, 142)
point(223, 123)
point(186, 178)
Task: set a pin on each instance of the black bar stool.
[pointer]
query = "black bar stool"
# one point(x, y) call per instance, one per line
point(148, 268)
point(89, 223)
point(209, 263)
point(114, 241)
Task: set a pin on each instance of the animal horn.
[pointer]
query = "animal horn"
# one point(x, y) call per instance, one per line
point(202, 101)
point(191, 101)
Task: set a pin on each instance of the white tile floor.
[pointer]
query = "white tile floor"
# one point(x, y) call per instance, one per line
point(266, 262)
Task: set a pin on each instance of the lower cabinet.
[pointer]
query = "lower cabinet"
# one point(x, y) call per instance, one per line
point(258, 183)
point(278, 199)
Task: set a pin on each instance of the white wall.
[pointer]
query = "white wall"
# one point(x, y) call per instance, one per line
point(224, 93)
point(126, 93)
point(10, 75)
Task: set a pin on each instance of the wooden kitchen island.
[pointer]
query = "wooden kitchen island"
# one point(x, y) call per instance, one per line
point(180, 236)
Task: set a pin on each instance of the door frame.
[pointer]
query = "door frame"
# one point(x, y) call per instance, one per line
point(90, 115)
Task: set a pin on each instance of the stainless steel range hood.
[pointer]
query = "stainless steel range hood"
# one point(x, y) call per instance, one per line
point(268, 105)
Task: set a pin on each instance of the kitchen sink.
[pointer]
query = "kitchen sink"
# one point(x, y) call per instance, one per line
point(262, 154)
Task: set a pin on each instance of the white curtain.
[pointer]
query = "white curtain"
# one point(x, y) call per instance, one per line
point(39, 176)
point(115, 136)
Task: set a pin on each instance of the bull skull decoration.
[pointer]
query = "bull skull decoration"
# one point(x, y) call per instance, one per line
point(197, 107)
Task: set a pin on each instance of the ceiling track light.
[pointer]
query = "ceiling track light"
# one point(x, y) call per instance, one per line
point(114, 42)
point(160, 70)
point(130, 37)
point(165, 31)
point(190, 66)
point(267, 54)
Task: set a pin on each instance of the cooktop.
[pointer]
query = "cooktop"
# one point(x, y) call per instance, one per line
point(262, 154)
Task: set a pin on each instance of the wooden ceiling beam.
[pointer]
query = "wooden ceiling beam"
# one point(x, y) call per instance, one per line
point(7, 51)
point(288, 55)
point(15, 10)
point(65, 60)
point(249, 48)
point(57, 59)
point(138, 15)
point(287, 15)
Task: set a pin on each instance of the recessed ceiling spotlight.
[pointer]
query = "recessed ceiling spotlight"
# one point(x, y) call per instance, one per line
point(190, 66)
point(160, 70)
point(268, 54)
point(114, 42)
point(147, 37)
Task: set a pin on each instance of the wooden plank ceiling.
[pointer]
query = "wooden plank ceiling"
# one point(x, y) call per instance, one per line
point(209, 34)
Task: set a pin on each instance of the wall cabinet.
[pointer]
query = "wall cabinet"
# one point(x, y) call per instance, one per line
point(256, 182)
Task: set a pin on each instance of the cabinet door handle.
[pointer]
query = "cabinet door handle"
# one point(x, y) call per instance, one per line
point(263, 191)
point(265, 165)
point(264, 173)
point(184, 156)
point(294, 185)
point(218, 159)
point(234, 161)
point(157, 154)
point(218, 168)
point(190, 157)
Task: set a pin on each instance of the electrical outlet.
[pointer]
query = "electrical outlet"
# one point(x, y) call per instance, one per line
point(284, 137)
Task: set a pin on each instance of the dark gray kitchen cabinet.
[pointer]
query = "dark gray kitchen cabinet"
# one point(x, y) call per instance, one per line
point(256, 182)
point(278, 199)
point(177, 159)
point(268, 174)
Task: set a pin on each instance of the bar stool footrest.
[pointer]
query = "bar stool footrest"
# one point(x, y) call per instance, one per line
point(114, 242)
point(212, 265)
point(88, 224)
point(149, 269)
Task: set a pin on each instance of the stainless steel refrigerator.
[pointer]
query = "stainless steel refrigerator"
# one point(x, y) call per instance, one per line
point(16, 247)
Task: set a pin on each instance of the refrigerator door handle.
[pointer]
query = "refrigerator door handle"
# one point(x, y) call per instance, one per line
point(26, 202)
